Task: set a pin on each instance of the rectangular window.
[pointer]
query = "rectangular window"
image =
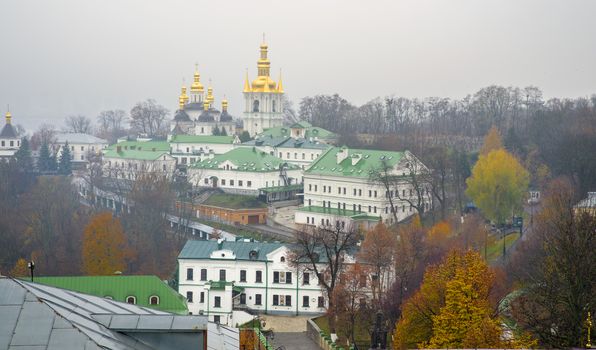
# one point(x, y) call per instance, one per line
point(275, 299)
point(288, 300)
point(248, 183)
point(259, 277)
point(288, 154)
point(316, 188)
point(305, 301)
point(206, 181)
point(202, 297)
point(354, 192)
point(223, 182)
point(231, 182)
point(321, 302)
point(217, 302)
point(82, 148)
point(310, 187)
point(242, 275)
point(295, 155)
point(360, 193)
point(217, 319)
point(375, 194)
point(189, 274)
point(222, 275)
point(303, 156)
point(344, 190)
point(203, 274)
point(239, 183)
point(258, 299)
point(288, 278)
point(306, 278)
point(339, 190)
point(370, 193)
point(189, 297)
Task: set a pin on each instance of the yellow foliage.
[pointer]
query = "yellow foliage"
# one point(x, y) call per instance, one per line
point(104, 246)
point(452, 308)
point(498, 184)
point(492, 142)
point(20, 268)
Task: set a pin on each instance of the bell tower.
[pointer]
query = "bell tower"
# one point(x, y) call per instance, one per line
point(263, 98)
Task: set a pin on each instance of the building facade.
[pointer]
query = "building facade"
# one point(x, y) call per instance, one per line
point(263, 98)
point(243, 170)
point(82, 146)
point(339, 189)
point(188, 149)
point(219, 276)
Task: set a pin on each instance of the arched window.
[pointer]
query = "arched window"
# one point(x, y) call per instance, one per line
point(273, 106)
point(255, 106)
point(282, 259)
point(154, 300)
point(131, 299)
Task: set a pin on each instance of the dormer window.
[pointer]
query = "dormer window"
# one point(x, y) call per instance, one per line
point(131, 299)
point(154, 300)
point(282, 259)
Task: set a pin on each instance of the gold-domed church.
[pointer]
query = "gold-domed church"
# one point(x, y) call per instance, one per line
point(263, 99)
point(196, 114)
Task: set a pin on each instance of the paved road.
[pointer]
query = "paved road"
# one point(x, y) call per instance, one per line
point(294, 341)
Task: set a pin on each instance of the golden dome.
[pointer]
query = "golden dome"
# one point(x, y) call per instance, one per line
point(196, 85)
point(210, 97)
point(263, 82)
point(224, 105)
point(8, 117)
point(183, 98)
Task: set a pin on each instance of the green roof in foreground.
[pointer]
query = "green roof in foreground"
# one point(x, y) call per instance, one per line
point(199, 249)
point(309, 131)
point(202, 139)
point(358, 163)
point(245, 159)
point(140, 155)
point(120, 287)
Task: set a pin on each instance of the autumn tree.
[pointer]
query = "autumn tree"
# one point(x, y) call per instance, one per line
point(104, 246)
point(498, 184)
point(452, 308)
point(349, 294)
point(556, 271)
point(323, 250)
point(20, 268)
point(377, 251)
point(492, 141)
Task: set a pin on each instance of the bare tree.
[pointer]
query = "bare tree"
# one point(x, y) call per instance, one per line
point(323, 251)
point(149, 118)
point(289, 113)
point(78, 124)
point(45, 134)
point(112, 124)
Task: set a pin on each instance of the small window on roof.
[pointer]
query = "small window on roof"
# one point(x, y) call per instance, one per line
point(131, 299)
point(109, 297)
point(282, 259)
point(154, 300)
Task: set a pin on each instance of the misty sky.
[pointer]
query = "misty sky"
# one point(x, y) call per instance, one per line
point(59, 58)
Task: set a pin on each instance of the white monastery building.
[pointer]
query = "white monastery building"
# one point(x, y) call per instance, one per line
point(82, 146)
point(338, 189)
point(9, 139)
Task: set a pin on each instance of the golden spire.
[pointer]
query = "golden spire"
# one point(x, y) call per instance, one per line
point(205, 105)
point(224, 104)
point(246, 83)
point(280, 88)
point(196, 85)
point(8, 115)
point(263, 82)
point(210, 97)
point(183, 98)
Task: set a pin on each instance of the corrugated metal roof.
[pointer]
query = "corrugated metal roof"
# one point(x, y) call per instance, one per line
point(76, 137)
point(203, 249)
point(36, 316)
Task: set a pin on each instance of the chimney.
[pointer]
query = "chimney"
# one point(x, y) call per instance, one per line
point(356, 158)
point(342, 154)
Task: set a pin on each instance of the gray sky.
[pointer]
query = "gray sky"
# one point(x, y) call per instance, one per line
point(59, 58)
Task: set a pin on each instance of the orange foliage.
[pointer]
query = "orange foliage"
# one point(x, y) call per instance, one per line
point(20, 268)
point(104, 246)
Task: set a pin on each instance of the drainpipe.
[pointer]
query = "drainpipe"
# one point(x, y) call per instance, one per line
point(208, 303)
point(297, 284)
point(266, 285)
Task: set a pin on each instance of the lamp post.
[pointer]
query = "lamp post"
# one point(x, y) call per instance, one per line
point(31, 266)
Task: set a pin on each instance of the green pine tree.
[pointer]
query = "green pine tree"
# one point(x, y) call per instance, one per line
point(23, 156)
point(216, 131)
point(223, 132)
point(245, 136)
point(45, 159)
point(65, 166)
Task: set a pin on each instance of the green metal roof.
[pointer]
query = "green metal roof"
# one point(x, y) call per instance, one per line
point(141, 146)
point(139, 155)
point(203, 249)
point(286, 142)
point(277, 189)
point(245, 159)
point(219, 285)
point(310, 131)
point(120, 287)
point(202, 139)
point(370, 160)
